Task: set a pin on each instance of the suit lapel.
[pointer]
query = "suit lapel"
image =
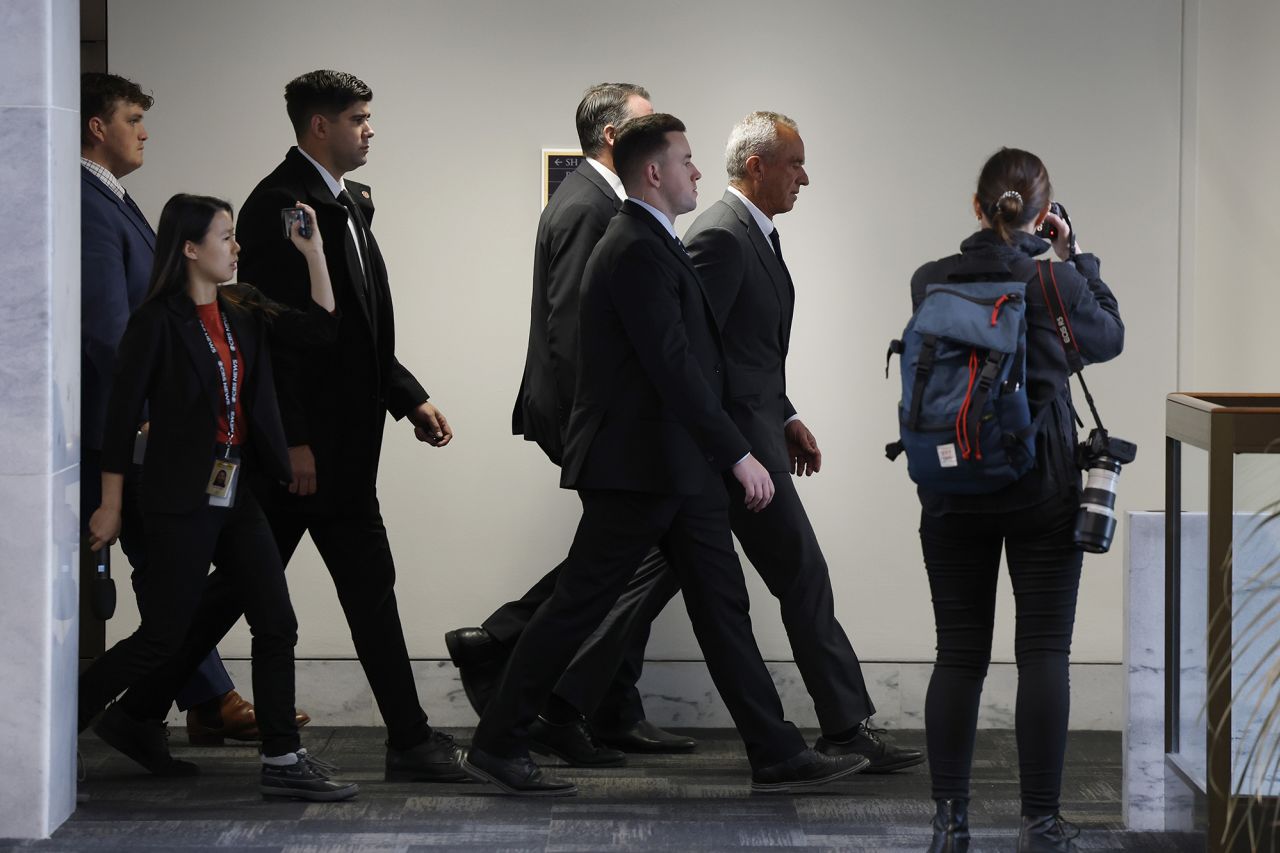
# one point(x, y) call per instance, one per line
point(682, 258)
point(139, 223)
point(783, 287)
point(321, 198)
point(192, 334)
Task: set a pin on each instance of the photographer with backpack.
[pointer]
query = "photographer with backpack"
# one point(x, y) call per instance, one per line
point(1021, 497)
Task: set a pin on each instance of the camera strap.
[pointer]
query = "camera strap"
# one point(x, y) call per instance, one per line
point(1062, 323)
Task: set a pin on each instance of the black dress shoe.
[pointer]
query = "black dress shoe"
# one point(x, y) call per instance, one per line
point(644, 736)
point(436, 759)
point(573, 743)
point(951, 827)
point(480, 660)
point(145, 741)
point(517, 776)
point(885, 755)
point(806, 770)
point(1047, 834)
point(307, 779)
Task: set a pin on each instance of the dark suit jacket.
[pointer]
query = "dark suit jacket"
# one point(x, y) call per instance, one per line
point(754, 301)
point(569, 228)
point(165, 363)
point(334, 398)
point(647, 412)
point(117, 247)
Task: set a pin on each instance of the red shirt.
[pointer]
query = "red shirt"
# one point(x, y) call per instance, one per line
point(211, 317)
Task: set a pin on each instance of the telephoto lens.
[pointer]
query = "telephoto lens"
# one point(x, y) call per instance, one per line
point(1102, 457)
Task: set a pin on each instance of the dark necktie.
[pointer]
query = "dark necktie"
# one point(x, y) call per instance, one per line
point(777, 251)
point(362, 241)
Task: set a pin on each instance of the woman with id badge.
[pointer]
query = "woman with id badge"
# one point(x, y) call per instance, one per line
point(196, 355)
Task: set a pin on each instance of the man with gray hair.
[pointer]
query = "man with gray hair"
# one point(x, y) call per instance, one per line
point(601, 679)
point(737, 252)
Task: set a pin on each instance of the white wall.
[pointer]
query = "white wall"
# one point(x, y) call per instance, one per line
point(899, 104)
point(1236, 174)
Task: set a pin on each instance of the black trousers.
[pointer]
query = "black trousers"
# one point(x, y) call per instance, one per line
point(210, 680)
point(358, 556)
point(600, 681)
point(180, 548)
point(781, 545)
point(356, 552)
point(962, 557)
point(617, 530)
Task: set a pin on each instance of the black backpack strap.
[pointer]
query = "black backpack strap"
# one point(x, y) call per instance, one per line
point(928, 350)
point(981, 393)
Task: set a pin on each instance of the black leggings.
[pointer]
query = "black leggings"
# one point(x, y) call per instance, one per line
point(962, 556)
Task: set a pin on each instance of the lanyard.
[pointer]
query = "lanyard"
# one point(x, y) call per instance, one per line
point(229, 392)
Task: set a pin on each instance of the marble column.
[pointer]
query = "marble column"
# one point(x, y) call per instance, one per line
point(39, 412)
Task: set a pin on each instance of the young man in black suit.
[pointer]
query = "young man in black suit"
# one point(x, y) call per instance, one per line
point(647, 440)
point(737, 252)
point(334, 401)
point(601, 679)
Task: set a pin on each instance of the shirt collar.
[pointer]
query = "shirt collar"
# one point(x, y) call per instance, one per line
point(610, 176)
point(658, 215)
point(103, 174)
point(335, 185)
point(765, 223)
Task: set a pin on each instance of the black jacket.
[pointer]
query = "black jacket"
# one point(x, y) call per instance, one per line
point(648, 412)
point(164, 362)
point(754, 301)
point(334, 398)
point(568, 230)
point(1095, 318)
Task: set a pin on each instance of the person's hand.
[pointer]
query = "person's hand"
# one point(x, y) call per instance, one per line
point(755, 481)
point(145, 429)
point(802, 449)
point(430, 426)
point(1066, 238)
point(312, 244)
point(104, 527)
point(303, 462)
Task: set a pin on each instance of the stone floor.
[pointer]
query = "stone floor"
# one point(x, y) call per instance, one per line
point(697, 802)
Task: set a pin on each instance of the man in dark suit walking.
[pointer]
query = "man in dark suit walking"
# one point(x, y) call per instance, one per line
point(738, 253)
point(334, 400)
point(601, 679)
point(117, 247)
point(646, 443)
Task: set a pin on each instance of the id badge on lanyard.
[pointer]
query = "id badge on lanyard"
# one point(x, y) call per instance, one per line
point(225, 474)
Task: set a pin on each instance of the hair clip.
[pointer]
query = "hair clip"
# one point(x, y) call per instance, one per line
point(1009, 194)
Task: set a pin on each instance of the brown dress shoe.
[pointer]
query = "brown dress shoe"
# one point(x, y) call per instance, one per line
point(228, 716)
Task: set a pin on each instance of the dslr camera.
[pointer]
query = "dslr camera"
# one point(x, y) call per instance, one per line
point(1047, 229)
point(1101, 455)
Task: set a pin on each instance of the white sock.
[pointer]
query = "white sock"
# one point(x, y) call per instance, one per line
point(286, 760)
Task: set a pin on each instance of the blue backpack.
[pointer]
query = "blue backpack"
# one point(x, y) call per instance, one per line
point(964, 418)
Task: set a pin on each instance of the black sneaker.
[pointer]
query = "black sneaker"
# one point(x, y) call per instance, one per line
point(885, 755)
point(145, 741)
point(807, 769)
point(307, 779)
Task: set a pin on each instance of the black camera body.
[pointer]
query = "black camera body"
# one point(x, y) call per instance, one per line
point(1047, 229)
point(1101, 456)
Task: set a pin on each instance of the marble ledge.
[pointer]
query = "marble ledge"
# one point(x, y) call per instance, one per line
point(680, 694)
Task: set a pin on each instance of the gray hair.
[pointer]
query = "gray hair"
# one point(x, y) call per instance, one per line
point(602, 105)
point(755, 135)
